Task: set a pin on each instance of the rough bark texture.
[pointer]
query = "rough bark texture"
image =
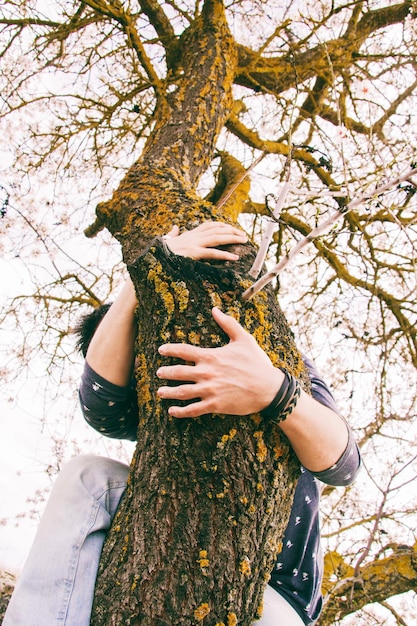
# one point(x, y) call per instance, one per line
point(208, 500)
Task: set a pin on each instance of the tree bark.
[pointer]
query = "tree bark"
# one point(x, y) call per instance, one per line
point(208, 500)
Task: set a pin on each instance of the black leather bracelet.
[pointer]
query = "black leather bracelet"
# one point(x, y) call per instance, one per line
point(285, 400)
point(277, 403)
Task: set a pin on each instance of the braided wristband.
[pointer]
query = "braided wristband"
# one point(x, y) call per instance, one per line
point(285, 400)
point(291, 404)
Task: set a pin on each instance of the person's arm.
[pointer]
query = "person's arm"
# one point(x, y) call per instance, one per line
point(111, 350)
point(239, 379)
point(107, 395)
point(317, 434)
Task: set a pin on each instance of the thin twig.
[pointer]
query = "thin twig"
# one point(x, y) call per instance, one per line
point(319, 230)
point(269, 231)
point(240, 180)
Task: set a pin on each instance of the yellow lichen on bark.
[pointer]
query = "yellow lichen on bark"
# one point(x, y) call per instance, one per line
point(244, 567)
point(182, 295)
point(227, 437)
point(215, 299)
point(201, 611)
point(260, 609)
point(203, 561)
point(231, 619)
point(142, 377)
point(257, 322)
point(162, 288)
point(194, 338)
point(335, 568)
point(261, 449)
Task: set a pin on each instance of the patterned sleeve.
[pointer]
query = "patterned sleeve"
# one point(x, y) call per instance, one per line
point(343, 472)
point(108, 408)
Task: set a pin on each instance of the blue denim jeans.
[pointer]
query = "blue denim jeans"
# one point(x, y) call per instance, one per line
point(56, 586)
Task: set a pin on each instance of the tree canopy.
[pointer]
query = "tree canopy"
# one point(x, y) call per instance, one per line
point(324, 99)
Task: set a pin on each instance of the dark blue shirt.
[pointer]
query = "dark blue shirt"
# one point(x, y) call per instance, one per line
point(298, 571)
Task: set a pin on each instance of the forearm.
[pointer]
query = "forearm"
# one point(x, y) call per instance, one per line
point(111, 351)
point(317, 434)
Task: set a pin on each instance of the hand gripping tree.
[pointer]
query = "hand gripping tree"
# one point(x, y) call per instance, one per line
point(208, 499)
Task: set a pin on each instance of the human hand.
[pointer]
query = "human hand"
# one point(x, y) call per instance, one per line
point(200, 242)
point(235, 379)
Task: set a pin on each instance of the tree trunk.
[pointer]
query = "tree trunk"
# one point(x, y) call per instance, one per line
point(208, 500)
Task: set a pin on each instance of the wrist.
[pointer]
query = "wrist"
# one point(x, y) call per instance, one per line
point(272, 382)
point(284, 400)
